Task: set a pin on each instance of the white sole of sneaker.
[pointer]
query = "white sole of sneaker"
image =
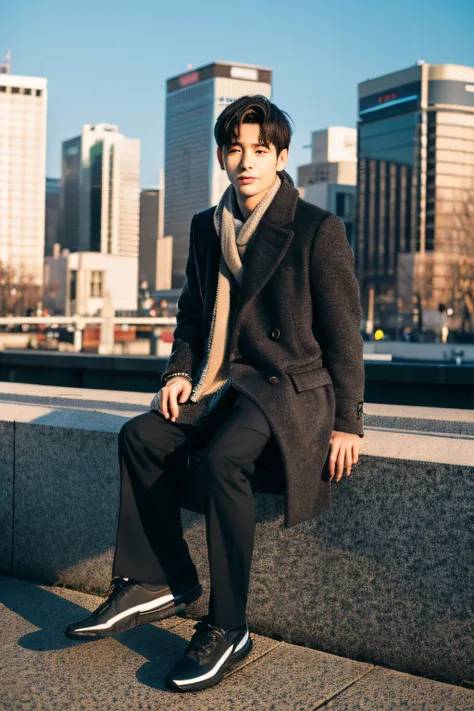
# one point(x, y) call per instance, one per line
point(152, 605)
point(242, 643)
point(216, 674)
point(137, 615)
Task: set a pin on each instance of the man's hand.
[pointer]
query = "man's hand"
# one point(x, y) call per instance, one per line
point(169, 393)
point(344, 453)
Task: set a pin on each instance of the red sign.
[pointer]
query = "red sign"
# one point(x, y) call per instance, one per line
point(387, 97)
point(187, 79)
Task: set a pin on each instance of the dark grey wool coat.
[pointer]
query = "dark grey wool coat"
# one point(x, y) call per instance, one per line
point(296, 348)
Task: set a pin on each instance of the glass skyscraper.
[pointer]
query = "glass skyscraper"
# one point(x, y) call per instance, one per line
point(194, 180)
point(415, 206)
point(100, 192)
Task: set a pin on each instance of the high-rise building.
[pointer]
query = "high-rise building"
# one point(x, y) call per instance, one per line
point(329, 181)
point(53, 189)
point(151, 212)
point(70, 213)
point(415, 217)
point(100, 192)
point(194, 179)
point(23, 102)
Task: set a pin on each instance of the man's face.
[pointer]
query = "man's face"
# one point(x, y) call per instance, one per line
point(249, 158)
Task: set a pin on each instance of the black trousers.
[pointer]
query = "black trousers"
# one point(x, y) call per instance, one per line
point(150, 544)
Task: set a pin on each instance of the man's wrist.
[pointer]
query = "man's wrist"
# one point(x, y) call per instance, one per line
point(169, 376)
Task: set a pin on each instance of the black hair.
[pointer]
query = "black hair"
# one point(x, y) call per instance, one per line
point(274, 123)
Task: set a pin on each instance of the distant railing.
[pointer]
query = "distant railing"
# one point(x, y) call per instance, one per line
point(79, 323)
point(160, 320)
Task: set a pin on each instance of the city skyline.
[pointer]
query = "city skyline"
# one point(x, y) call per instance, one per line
point(122, 79)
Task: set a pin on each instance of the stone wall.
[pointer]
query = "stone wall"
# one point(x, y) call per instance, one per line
point(384, 576)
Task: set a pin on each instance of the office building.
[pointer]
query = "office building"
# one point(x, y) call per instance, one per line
point(149, 207)
point(83, 283)
point(100, 192)
point(415, 220)
point(194, 179)
point(23, 102)
point(329, 181)
point(152, 259)
point(156, 248)
point(53, 189)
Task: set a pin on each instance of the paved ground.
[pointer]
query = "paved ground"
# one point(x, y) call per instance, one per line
point(40, 668)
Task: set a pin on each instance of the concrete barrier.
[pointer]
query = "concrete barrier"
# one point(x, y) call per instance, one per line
point(384, 576)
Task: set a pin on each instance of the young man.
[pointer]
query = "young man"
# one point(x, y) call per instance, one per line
point(267, 346)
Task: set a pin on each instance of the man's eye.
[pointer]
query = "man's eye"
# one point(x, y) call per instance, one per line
point(233, 150)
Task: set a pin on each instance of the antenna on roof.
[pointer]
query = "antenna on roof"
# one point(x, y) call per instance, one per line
point(5, 64)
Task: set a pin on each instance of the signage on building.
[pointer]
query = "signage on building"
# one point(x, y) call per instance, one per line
point(244, 73)
point(187, 79)
point(219, 70)
point(399, 100)
point(388, 97)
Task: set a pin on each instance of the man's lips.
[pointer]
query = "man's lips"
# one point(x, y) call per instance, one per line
point(246, 178)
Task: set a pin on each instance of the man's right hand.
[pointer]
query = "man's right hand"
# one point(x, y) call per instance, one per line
point(175, 388)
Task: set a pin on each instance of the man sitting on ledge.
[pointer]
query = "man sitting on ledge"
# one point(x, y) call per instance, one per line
point(267, 344)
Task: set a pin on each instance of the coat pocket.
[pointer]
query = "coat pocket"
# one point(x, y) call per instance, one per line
point(310, 379)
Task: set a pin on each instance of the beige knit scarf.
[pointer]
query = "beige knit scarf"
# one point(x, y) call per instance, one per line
point(234, 238)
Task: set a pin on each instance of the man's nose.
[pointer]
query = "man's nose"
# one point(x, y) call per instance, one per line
point(247, 160)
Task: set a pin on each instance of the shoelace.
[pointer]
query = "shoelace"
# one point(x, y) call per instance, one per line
point(204, 640)
point(115, 587)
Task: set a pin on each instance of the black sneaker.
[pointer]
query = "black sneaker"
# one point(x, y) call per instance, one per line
point(210, 652)
point(129, 605)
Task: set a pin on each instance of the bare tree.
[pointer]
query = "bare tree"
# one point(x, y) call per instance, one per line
point(17, 294)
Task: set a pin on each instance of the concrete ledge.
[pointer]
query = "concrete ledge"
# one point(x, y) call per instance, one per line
point(383, 577)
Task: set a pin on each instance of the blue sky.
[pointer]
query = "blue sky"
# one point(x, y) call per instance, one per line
point(108, 61)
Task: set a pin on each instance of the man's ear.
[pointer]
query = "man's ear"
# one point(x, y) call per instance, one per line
point(282, 159)
point(220, 157)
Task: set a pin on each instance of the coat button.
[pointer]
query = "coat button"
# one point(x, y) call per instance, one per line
point(273, 379)
point(275, 333)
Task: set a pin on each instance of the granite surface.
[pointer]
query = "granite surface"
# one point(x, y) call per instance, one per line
point(383, 577)
point(43, 669)
point(6, 493)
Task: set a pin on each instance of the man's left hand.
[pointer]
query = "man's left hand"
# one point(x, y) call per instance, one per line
point(344, 453)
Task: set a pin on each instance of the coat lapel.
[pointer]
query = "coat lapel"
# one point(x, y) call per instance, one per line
point(267, 247)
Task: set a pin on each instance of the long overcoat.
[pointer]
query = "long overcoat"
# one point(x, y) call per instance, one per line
point(296, 348)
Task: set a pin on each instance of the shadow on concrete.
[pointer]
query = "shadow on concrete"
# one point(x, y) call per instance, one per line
point(51, 613)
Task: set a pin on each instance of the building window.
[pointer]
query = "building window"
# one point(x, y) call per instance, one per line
point(96, 162)
point(15, 89)
point(344, 204)
point(340, 204)
point(72, 285)
point(3, 89)
point(320, 175)
point(97, 280)
point(27, 92)
point(39, 92)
